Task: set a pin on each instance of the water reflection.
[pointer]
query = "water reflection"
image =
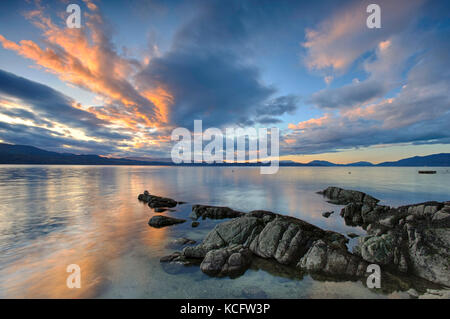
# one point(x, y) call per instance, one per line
point(53, 216)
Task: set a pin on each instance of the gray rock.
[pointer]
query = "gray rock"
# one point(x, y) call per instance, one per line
point(344, 196)
point(238, 231)
point(436, 294)
point(162, 221)
point(231, 261)
point(413, 293)
point(195, 224)
point(156, 201)
point(327, 214)
point(329, 260)
point(213, 212)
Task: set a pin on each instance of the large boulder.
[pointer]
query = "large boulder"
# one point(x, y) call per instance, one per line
point(231, 261)
point(326, 259)
point(238, 231)
point(286, 239)
point(213, 212)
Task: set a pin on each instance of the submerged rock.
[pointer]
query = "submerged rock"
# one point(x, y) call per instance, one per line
point(195, 224)
point(327, 214)
point(162, 221)
point(213, 212)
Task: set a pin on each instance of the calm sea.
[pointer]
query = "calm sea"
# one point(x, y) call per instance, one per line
point(53, 216)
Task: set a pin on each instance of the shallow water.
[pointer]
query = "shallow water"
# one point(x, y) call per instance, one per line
point(53, 216)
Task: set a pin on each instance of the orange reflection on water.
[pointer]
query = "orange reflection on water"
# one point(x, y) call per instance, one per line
point(99, 226)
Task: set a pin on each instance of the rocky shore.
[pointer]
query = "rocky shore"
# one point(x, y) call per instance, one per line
point(412, 240)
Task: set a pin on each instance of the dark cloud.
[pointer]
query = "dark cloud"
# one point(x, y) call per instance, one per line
point(212, 86)
point(49, 105)
point(348, 96)
point(49, 140)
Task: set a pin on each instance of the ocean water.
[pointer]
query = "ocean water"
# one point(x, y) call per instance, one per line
point(54, 216)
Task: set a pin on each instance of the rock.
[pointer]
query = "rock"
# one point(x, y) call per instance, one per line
point(378, 249)
point(436, 294)
point(176, 263)
point(253, 292)
point(268, 235)
point(327, 214)
point(195, 224)
point(213, 212)
point(329, 260)
point(231, 261)
point(156, 201)
point(286, 239)
point(162, 221)
point(413, 293)
point(429, 254)
point(160, 210)
point(352, 235)
point(176, 255)
point(343, 197)
point(238, 231)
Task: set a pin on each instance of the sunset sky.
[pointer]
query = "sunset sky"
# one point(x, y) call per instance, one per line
point(136, 70)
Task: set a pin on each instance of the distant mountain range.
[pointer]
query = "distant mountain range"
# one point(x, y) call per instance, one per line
point(23, 154)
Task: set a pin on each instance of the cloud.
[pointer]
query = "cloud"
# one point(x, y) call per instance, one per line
point(348, 95)
point(211, 86)
point(342, 38)
point(51, 105)
point(419, 113)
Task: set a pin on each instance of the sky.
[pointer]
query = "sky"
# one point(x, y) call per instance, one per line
point(136, 70)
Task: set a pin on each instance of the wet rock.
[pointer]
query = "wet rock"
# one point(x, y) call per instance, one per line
point(286, 239)
point(231, 261)
point(213, 212)
point(326, 259)
point(327, 214)
point(436, 294)
point(162, 221)
point(176, 263)
point(238, 231)
point(412, 238)
point(267, 235)
point(160, 210)
point(156, 201)
point(413, 293)
point(195, 224)
point(343, 196)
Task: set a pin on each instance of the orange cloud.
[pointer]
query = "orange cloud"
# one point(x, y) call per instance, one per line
point(86, 58)
point(310, 123)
